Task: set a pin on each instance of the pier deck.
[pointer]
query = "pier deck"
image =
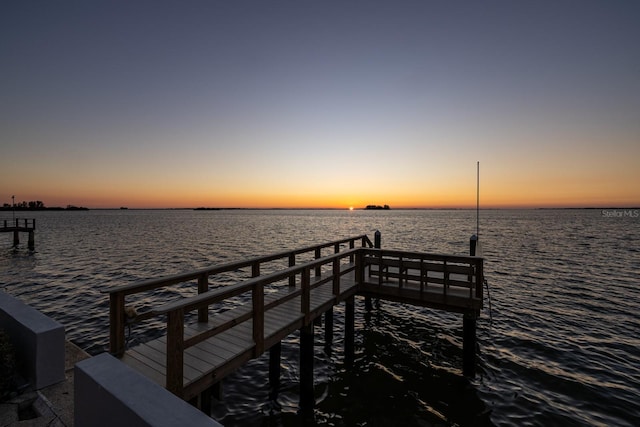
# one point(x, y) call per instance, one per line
point(17, 226)
point(195, 354)
point(208, 361)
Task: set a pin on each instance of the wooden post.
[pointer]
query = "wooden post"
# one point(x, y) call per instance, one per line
point(274, 370)
point(377, 243)
point(32, 244)
point(473, 242)
point(258, 319)
point(203, 286)
point(318, 255)
point(305, 299)
point(469, 345)
point(116, 324)
point(377, 239)
point(359, 268)
point(205, 400)
point(336, 277)
point(307, 399)
point(175, 351)
point(217, 390)
point(292, 262)
point(352, 245)
point(328, 330)
point(349, 324)
point(16, 238)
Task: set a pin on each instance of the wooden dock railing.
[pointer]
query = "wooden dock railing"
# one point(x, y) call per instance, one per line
point(18, 224)
point(191, 357)
point(443, 277)
point(177, 343)
point(118, 295)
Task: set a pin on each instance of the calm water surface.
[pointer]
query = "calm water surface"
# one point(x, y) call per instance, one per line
point(560, 346)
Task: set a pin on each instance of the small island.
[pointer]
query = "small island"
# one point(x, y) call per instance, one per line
point(377, 207)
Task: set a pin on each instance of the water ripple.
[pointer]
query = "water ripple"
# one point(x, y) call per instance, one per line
point(562, 347)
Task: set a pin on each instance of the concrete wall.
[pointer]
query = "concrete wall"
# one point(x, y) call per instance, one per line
point(37, 339)
point(108, 392)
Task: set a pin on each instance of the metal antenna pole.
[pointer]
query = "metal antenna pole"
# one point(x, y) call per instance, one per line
point(478, 202)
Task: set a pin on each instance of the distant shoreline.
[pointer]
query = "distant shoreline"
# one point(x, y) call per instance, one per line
point(55, 208)
point(2, 209)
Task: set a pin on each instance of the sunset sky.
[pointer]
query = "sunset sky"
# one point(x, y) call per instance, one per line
point(320, 103)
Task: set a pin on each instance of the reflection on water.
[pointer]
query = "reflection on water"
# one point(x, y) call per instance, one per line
point(562, 347)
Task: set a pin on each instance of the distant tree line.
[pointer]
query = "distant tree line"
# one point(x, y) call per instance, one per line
point(37, 205)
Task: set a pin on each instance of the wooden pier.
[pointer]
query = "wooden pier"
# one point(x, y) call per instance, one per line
point(17, 226)
point(283, 293)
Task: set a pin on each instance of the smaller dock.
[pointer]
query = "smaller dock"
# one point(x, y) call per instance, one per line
point(17, 226)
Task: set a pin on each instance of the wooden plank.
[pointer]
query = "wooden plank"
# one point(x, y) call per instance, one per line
point(230, 348)
point(194, 366)
point(157, 351)
point(210, 357)
point(238, 338)
point(145, 369)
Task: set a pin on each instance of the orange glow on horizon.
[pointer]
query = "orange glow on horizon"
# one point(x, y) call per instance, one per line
point(424, 201)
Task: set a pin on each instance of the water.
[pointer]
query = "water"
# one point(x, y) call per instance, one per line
point(561, 345)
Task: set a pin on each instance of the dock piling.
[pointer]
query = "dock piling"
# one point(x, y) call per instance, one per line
point(469, 345)
point(328, 330)
point(349, 324)
point(469, 339)
point(274, 370)
point(307, 398)
point(473, 242)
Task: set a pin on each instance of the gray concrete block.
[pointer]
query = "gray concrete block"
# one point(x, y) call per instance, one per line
point(108, 392)
point(38, 341)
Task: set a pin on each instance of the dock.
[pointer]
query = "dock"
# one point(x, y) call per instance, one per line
point(17, 226)
point(220, 327)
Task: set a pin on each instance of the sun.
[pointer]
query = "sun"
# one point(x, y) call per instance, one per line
point(350, 208)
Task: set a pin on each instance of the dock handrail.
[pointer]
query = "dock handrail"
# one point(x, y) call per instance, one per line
point(117, 294)
point(467, 270)
point(176, 310)
point(26, 224)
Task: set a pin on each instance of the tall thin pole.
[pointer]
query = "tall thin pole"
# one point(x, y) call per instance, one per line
point(478, 201)
point(13, 203)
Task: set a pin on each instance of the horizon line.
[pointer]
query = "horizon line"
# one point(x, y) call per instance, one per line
point(338, 209)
